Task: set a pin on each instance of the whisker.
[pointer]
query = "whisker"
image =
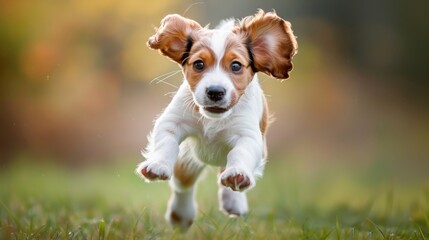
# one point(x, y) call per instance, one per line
point(171, 94)
point(188, 107)
point(188, 104)
point(169, 84)
point(190, 6)
point(163, 75)
point(160, 79)
point(200, 119)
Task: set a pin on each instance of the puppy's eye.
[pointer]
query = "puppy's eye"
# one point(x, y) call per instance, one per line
point(198, 65)
point(236, 67)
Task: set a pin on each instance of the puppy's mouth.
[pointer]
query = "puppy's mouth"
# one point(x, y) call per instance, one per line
point(216, 109)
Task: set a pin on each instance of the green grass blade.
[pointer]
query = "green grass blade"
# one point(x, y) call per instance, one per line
point(14, 218)
point(337, 228)
point(378, 228)
point(101, 229)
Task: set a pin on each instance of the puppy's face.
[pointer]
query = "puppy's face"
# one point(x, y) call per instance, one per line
point(218, 70)
point(220, 63)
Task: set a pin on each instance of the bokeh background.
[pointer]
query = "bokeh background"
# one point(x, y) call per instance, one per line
point(79, 86)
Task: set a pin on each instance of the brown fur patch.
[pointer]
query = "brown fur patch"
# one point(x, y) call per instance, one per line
point(172, 36)
point(175, 217)
point(235, 50)
point(265, 120)
point(198, 52)
point(271, 41)
point(185, 174)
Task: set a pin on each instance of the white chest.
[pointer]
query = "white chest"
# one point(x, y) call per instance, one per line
point(211, 144)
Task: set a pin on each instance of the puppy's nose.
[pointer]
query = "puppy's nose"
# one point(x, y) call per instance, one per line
point(215, 93)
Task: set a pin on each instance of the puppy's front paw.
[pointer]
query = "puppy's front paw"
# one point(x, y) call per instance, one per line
point(237, 179)
point(154, 170)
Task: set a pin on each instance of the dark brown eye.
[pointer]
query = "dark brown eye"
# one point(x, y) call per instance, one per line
point(198, 65)
point(236, 67)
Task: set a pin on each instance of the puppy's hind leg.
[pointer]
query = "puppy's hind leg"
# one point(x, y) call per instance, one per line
point(182, 206)
point(232, 203)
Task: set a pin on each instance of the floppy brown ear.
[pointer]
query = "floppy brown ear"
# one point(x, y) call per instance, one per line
point(174, 37)
point(270, 42)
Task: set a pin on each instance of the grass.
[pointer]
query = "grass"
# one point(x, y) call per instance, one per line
point(292, 201)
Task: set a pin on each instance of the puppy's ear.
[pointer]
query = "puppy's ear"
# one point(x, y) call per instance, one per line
point(174, 37)
point(270, 42)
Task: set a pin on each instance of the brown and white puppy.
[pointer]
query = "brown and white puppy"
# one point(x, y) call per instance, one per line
point(219, 115)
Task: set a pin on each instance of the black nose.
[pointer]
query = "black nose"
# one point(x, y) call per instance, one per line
point(215, 93)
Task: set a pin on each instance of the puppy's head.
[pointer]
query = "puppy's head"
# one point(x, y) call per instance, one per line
point(220, 63)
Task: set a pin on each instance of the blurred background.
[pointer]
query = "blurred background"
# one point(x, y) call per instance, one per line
point(76, 81)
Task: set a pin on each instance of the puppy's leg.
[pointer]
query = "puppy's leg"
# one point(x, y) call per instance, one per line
point(160, 154)
point(232, 203)
point(164, 140)
point(245, 162)
point(182, 207)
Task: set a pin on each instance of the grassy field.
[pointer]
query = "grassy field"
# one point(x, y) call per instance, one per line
point(292, 201)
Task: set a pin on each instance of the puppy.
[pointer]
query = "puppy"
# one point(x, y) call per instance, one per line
point(219, 115)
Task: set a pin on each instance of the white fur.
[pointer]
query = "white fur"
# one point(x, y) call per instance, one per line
point(219, 36)
point(232, 140)
point(216, 77)
point(235, 140)
point(182, 203)
point(232, 203)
